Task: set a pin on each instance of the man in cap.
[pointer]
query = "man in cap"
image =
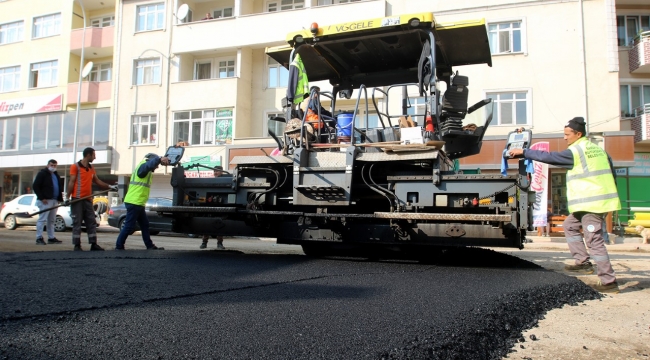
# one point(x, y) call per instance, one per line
point(136, 198)
point(591, 194)
point(217, 171)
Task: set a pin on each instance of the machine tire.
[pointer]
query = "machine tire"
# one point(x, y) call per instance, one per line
point(10, 222)
point(59, 224)
point(315, 250)
point(100, 205)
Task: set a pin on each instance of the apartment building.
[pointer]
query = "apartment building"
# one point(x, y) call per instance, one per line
point(203, 78)
point(40, 62)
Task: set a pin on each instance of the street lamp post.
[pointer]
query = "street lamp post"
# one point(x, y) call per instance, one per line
point(83, 72)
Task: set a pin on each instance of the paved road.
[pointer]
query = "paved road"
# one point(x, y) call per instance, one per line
point(266, 303)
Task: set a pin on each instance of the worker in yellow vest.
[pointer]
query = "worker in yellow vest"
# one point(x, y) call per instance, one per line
point(136, 198)
point(298, 83)
point(591, 194)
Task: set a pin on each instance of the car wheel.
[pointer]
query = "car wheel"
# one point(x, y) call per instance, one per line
point(122, 226)
point(59, 224)
point(10, 222)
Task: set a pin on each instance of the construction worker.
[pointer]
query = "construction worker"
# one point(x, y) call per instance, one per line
point(298, 86)
point(82, 177)
point(136, 198)
point(217, 172)
point(591, 194)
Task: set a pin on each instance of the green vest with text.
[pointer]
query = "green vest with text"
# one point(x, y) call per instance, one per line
point(139, 187)
point(590, 184)
point(302, 88)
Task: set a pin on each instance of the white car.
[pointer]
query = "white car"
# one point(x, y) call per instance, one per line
point(27, 203)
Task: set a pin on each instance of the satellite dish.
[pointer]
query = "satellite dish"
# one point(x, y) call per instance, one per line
point(182, 12)
point(86, 70)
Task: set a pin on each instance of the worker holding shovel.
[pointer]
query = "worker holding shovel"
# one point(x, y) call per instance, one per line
point(82, 177)
point(48, 187)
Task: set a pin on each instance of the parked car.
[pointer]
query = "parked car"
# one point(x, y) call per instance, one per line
point(27, 203)
point(117, 216)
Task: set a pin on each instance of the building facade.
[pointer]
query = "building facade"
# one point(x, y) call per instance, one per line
point(202, 78)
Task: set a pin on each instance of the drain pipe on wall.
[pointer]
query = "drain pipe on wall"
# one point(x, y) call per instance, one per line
point(116, 83)
point(584, 65)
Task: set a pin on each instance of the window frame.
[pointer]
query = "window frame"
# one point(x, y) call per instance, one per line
point(629, 42)
point(335, 2)
point(156, 11)
point(198, 62)
point(222, 9)
point(31, 74)
point(16, 80)
point(98, 69)
point(267, 115)
point(522, 34)
point(34, 18)
point(280, 69)
point(496, 119)
point(136, 67)
point(203, 120)
point(148, 124)
point(101, 19)
point(218, 67)
point(632, 111)
point(278, 5)
point(20, 32)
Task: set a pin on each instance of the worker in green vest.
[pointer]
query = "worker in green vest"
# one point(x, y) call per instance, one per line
point(298, 85)
point(136, 198)
point(591, 194)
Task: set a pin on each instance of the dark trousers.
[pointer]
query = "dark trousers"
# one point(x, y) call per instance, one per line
point(134, 213)
point(83, 211)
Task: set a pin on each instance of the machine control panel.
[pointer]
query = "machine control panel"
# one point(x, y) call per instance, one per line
point(519, 139)
point(174, 154)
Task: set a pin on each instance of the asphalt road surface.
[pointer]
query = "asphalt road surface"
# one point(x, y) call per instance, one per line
point(268, 304)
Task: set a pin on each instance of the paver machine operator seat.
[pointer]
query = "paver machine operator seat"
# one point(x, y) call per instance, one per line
point(454, 104)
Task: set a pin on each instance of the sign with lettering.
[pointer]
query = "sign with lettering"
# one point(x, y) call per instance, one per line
point(641, 165)
point(539, 184)
point(31, 105)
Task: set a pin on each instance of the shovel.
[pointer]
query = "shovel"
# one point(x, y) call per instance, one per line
point(27, 215)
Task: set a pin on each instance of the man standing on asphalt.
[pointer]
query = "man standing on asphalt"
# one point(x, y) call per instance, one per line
point(136, 198)
point(218, 171)
point(591, 194)
point(48, 187)
point(82, 177)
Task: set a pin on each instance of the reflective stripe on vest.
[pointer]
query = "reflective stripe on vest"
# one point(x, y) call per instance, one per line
point(590, 183)
point(139, 188)
point(302, 88)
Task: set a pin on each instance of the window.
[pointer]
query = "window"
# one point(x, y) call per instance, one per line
point(510, 108)
point(147, 71)
point(282, 5)
point(100, 72)
point(634, 99)
point(144, 129)
point(278, 75)
point(27, 200)
point(11, 32)
point(203, 127)
point(9, 79)
point(629, 26)
point(8, 133)
point(330, 2)
point(203, 70)
point(226, 68)
point(418, 106)
point(505, 37)
point(222, 13)
point(48, 25)
point(276, 126)
point(43, 74)
point(103, 21)
point(150, 17)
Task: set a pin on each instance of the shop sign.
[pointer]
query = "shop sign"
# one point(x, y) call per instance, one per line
point(203, 170)
point(621, 172)
point(31, 105)
point(641, 165)
point(539, 184)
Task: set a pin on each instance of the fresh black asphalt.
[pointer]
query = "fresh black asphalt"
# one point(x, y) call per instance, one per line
point(471, 304)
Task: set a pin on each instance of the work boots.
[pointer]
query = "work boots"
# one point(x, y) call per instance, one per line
point(585, 268)
point(611, 288)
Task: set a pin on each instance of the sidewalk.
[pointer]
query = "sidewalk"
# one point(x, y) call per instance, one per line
point(624, 244)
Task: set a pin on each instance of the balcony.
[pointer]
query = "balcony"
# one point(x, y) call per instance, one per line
point(639, 54)
point(91, 92)
point(641, 124)
point(98, 42)
point(263, 29)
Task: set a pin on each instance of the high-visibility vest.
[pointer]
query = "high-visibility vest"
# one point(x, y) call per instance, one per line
point(590, 183)
point(139, 188)
point(302, 88)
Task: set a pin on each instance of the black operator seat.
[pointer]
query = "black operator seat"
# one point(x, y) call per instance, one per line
point(454, 101)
